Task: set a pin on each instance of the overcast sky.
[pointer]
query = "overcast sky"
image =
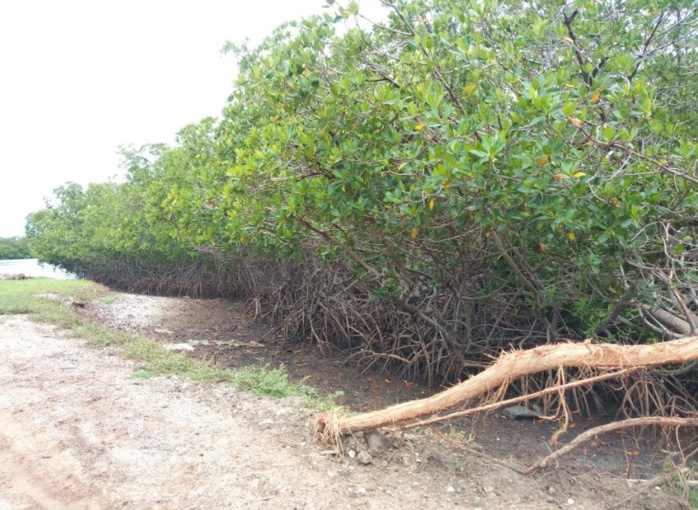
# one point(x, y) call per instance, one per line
point(80, 78)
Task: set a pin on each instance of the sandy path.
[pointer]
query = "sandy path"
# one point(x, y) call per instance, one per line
point(78, 432)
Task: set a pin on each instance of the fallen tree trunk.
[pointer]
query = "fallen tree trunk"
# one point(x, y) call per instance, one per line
point(509, 367)
point(524, 398)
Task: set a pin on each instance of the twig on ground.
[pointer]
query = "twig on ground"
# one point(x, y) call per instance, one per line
point(612, 427)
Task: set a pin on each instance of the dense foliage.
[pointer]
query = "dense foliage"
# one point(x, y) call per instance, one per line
point(14, 248)
point(466, 176)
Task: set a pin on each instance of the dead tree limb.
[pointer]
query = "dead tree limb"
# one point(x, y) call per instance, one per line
point(524, 398)
point(509, 367)
point(664, 421)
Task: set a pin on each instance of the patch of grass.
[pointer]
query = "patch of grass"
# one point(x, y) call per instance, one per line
point(690, 494)
point(262, 380)
point(683, 488)
point(109, 299)
point(162, 362)
point(143, 374)
point(274, 382)
point(14, 307)
point(19, 297)
point(679, 484)
point(45, 286)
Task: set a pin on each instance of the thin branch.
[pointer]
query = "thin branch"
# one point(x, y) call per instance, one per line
point(612, 427)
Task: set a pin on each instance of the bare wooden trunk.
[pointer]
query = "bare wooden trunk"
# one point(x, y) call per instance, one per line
point(509, 367)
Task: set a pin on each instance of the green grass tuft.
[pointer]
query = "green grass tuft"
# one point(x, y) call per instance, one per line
point(262, 380)
point(143, 374)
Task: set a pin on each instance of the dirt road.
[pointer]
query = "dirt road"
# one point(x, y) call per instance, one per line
point(78, 431)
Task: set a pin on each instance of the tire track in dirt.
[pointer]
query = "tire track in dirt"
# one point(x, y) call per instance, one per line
point(36, 483)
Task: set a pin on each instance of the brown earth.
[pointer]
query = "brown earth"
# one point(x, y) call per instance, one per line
point(78, 431)
point(173, 320)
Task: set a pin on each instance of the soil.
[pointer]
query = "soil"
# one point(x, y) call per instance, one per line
point(79, 431)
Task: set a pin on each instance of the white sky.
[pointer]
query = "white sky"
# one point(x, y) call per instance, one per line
point(80, 78)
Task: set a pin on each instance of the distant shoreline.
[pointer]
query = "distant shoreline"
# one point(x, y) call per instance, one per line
point(32, 268)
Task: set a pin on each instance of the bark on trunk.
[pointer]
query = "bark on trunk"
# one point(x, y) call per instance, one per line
point(509, 367)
